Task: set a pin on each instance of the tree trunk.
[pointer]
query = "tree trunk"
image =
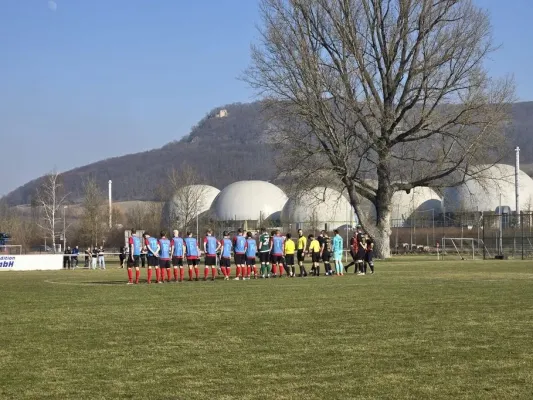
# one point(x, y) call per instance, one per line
point(383, 232)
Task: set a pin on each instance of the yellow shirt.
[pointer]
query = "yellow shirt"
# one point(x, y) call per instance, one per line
point(302, 242)
point(289, 247)
point(314, 246)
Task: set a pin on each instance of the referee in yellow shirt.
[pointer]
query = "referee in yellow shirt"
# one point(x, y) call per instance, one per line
point(289, 254)
point(302, 244)
point(314, 250)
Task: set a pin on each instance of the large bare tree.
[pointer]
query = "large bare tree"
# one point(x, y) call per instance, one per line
point(50, 199)
point(94, 224)
point(378, 96)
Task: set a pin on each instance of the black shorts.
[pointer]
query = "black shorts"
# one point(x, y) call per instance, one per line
point(164, 263)
point(134, 262)
point(177, 261)
point(250, 261)
point(361, 254)
point(264, 257)
point(289, 259)
point(239, 259)
point(153, 261)
point(193, 262)
point(276, 259)
point(225, 262)
point(369, 256)
point(326, 256)
point(301, 256)
point(315, 257)
point(211, 261)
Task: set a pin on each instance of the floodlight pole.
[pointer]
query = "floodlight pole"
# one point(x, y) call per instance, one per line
point(517, 183)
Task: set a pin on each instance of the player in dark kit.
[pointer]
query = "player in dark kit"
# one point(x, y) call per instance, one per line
point(164, 256)
point(361, 253)
point(135, 245)
point(369, 255)
point(325, 253)
point(353, 252)
point(211, 247)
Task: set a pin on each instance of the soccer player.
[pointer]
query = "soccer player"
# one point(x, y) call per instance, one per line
point(135, 245)
point(302, 244)
point(193, 255)
point(277, 250)
point(361, 253)
point(225, 256)
point(264, 253)
point(211, 247)
point(338, 246)
point(325, 253)
point(289, 255)
point(353, 252)
point(239, 248)
point(314, 251)
point(369, 253)
point(152, 246)
point(178, 251)
point(164, 255)
point(251, 251)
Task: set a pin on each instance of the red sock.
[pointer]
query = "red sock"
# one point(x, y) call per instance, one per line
point(238, 272)
point(255, 270)
point(182, 273)
point(157, 274)
point(206, 272)
point(249, 272)
point(228, 271)
point(149, 275)
point(196, 272)
point(175, 273)
point(190, 273)
point(137, 275)
point(274, 269)
point(169, 274)
point(130, 275)
point(224, 271)
point(213, 272)
point(163, 274)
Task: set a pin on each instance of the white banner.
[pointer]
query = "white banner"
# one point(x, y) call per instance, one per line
point(31, 262)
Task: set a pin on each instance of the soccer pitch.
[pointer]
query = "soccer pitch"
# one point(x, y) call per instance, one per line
point(415, 329)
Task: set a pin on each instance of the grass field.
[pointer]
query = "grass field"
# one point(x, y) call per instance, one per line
point(414, 330)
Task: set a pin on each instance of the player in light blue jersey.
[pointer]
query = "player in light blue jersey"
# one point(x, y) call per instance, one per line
point(337, 247)
point(251, 251)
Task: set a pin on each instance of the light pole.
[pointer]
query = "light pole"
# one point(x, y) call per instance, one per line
point(64, 230)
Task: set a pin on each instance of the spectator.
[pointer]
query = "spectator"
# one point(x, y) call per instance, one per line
point(88, 255)
point(74, 259)
point(144, 254)
point(122, 256)
point(101, 261)
point(94, 257)
point(66, 258)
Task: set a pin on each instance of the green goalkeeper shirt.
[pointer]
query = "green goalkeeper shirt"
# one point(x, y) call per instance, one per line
point(264, 243)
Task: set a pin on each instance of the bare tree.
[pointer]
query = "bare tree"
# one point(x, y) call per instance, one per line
point(378, 96)
point(50, 198)
point(186, 198)
point(94, 224)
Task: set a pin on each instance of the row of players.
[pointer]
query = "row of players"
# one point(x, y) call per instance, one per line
point(276, 254)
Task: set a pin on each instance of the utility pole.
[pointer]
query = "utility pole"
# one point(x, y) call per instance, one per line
point(110, 204)
point(517, 183)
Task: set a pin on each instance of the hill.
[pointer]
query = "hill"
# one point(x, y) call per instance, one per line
point(222, 151)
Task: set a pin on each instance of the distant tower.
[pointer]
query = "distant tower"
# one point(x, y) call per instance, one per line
point(110, 205)
point(222, 113)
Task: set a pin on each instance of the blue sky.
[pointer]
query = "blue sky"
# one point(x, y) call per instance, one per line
point(83, 80)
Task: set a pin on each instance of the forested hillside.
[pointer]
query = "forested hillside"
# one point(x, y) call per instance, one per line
point(222, 151)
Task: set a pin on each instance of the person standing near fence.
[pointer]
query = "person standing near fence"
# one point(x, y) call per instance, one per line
point(94, 257)
point(338, 247)
point(75, 254)
point(88, 256)
point(101, 260)
point(66, 258)
point(369, 255)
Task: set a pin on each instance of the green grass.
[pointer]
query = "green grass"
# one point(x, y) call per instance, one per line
point(415, 330)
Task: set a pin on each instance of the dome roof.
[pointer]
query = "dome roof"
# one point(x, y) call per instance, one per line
point(321, 205)
point(248, 200)
point(190, 200)
point(484, 194)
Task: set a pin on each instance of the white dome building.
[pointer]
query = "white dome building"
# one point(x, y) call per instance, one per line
point(325, 207)
point(249, 201)
point(188, 202)
point(484, 194)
